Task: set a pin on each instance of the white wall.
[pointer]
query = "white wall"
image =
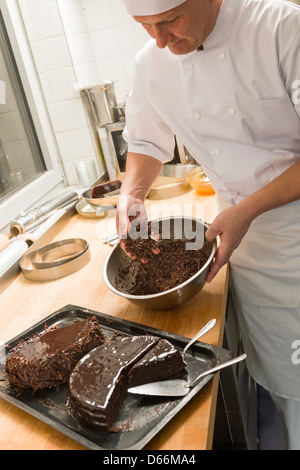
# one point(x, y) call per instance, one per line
point(79, 42)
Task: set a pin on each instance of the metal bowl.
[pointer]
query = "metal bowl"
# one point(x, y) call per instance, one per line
point(163, 300)
point(177, 170)
point(110, 196)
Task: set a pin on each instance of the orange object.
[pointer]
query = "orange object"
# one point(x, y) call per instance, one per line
point(200, 183)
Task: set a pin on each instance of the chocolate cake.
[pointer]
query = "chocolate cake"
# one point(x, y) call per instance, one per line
point(47, 360)
point(98, 384)
point(166, 263)
point(161, 362)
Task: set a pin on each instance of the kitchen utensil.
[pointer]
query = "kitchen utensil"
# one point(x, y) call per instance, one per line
point(58, 253)
point(162, 300)
point(178, 387)
point(169, 191)
point(106, 193)
point(55, 269)
point(112, 239)
point(200, 333)
point(94, 212)
point(177, 170)
point(103, 102)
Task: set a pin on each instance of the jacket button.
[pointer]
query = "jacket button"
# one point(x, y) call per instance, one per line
point(222, 55)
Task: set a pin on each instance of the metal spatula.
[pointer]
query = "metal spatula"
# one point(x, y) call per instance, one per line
point(200, 333)
point(178, 387)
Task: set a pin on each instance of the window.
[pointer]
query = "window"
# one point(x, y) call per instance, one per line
point(29, 160)
point(21, 158)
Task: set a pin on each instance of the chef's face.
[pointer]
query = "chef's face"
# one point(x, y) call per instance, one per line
point(184, 28)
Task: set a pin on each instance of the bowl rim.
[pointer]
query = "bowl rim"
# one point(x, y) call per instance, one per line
point(86, 195)
point(158, 294)
point(100, 201)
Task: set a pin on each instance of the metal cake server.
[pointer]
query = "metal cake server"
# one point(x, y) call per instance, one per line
point(200, 333)
point(178, 387)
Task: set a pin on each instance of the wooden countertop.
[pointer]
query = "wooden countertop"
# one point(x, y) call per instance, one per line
point(24, 303)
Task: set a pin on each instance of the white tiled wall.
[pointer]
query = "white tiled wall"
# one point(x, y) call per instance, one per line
point(77, 43)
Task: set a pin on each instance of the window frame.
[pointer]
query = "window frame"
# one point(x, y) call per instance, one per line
point(53, 179)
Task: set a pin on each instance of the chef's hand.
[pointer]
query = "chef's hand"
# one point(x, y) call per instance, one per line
point(128, 209)
point(132, 221)
point(230, 226)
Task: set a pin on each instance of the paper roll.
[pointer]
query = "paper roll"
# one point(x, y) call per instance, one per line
point(42, 229)
point(23, 221)
point(12, 254)
point(4, 241)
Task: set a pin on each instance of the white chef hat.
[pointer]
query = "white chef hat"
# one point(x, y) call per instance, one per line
point(150, 7)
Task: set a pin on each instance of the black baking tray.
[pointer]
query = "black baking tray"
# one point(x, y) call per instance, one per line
point(140, 417)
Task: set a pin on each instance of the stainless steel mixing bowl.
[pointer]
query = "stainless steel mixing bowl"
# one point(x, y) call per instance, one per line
point(162, 300)
point(110, 195)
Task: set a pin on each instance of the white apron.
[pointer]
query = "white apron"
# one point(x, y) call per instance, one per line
point(265, 272)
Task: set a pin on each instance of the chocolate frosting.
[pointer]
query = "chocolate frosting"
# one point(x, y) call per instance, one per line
point(99, 381)
point(98, 373)
point(48, 359)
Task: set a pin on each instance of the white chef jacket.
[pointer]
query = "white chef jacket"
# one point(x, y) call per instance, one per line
point(236, 107)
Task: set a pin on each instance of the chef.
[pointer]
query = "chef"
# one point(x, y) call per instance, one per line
point(224, 77)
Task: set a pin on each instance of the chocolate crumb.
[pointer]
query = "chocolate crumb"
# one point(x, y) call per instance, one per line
point(172, 264)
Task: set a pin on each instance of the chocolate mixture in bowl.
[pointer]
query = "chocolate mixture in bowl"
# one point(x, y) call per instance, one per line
point(172, 266)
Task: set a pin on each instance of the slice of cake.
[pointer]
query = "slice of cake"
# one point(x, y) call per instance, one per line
point(161, 362)
point(98, 384)
point(47, 360)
